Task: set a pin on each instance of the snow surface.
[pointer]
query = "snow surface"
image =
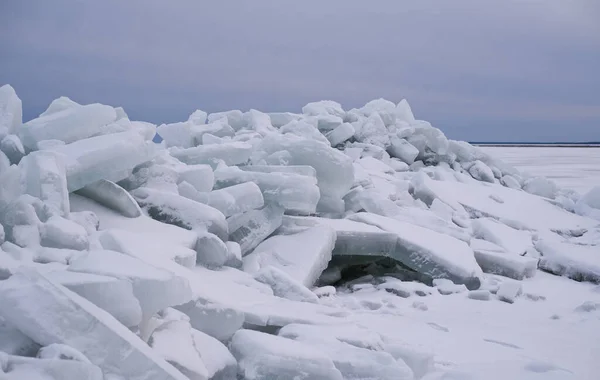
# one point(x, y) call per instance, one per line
point(326, 244)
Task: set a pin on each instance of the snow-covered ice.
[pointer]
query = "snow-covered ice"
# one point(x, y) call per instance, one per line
point(318, 244)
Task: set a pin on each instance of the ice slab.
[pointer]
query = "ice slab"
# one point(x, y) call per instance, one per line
point(58, 232)
point(262, 357)
point(49, 313)
point(372, 131)
point(303, 129)
point(154, 288)
point(402, 149)
point(72, 123)
point(481, 172)
point(334, 169)
point(292, 191)
point(218, 321)
point(219, 362)
point(110, 219)
point(350, 358)
point(508, 291)
point(279, 119)
point(18, 367)
point(111, 294)
point(506, 264)
point(303, 256)
point(180, 211)
point(173, 341)
point(13, 148)
point(235, 118)
point(324, 107)
point(514, 241)
point(110, 157)
point(14, 342)
point(138, 244)
point(518, 208)
point(113, 196)
point(340, 134)
point(284, 285)
point(177, 134)
point(540, 186)
point(11, 111)
point(252, 227)
point(199, 176)
point(232, 153)
point(212, 251)
point(579, 262)
point(218, 129)
point(352, 238)
point(229, 200)
point(44, 176)
point(429, 252)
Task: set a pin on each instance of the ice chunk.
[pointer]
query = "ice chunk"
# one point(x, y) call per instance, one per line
point(404, 113)
point(519, 208)
point(198, 117)
point(262, 357)
point(510, 181)
point(219, 362)
point(75, 122)
point(258, 121)
point(212, 252)
point(218, 321)
point(303, 256)
point(109, 293)
point(154, 288)
point(110, 157)
point(235, 118)
point(446, 287)
point(57, 315)
point(514, 241)
point(113, 196)
point(385, 109)
point(177, 134)
point(348, 353)
point(509, 291)
point(506, 264)
point(43, 175)
point(11, 112)
point(232, 153)
point(147, 244)
point(252, 227)
point(284, 285)
point(334, 169)
point(418, 359)
point(305, 170)
point(59, 232)
point(481, 172)
point(173, 342)
point(589, 204)
point(340, 134)
point(177, 210)
point(579, 262)
point(13, 148)
point(428, 252)
point(279, 119)
point(199, 176)
point(229, 200)
point(14, 342)
point(402, 149)
point(324, 107)
point(292, 191)
point(48, 369)
point(371, 165)
point(373, 131)
point(540, 186)
point(234, 255)
point(352, 238)
point(218, 129)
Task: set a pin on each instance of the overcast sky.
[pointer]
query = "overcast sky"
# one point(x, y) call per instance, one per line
point(503, 70)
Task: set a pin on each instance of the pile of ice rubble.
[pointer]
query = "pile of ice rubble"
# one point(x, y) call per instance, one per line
point(214, 254)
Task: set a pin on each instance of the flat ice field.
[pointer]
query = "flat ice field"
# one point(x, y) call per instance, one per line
point(327, 244)
point(570, 167)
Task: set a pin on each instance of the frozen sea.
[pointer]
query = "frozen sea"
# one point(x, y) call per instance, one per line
point(570, 167)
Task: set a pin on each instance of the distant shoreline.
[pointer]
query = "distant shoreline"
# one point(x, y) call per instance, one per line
point(538, 145)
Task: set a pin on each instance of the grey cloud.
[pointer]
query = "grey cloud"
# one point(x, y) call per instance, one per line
point(506, 70)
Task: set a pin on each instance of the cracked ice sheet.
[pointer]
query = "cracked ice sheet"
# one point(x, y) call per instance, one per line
point(468, 335)
point(532, 212)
